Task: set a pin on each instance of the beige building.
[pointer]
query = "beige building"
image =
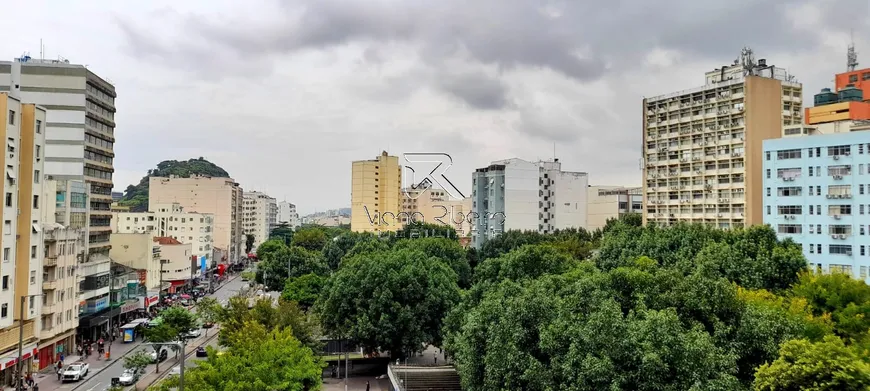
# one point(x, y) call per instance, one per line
point(23, 128)
point(260, 216)
point(611, 202)
point(376, 194)
point(434, 206)
point(178, 267)
point(171, 220)
point(64, 213)
point(220, 197)
point(702, 146)
point(140, 251)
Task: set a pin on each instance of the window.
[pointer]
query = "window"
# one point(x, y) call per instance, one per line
point(789, 228)
point(4, 310)
point(788, 172)
point(11, 119)
point(36, 175)
point(768, 173)
point(7, 227)
point(811, 209)
point(38, 151)
point(6, 252)
point(788, 154)
point(768, 192)
point(836, 210)
point(9, 199)
point(36, 202)
point(767, 155)
point(789, 191)
point(768, 209)
point(843, 249)
point(819, 248)
point(811, 171)
point(810, 152)
point(33, 252)
point(5, 283)
point(860, 189)
point(32, 277)
point(840, 150)
point(841, 170)
point(38, 131)
point(853, 78)
point(819, 190)
point(789, 209)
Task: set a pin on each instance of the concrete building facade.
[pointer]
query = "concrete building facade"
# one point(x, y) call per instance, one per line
point(139, 251)
point(171, 220)
point(376, 194)
point(611, 202)
point(702, 146)
point(176, 258)
point(79, 133)
point(260, 216)
point(220, 197)
point(287, 214)
point(817, 192)
point(434, 206)
point(515, 194)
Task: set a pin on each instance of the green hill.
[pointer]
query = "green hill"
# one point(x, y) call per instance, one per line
point(136, 196)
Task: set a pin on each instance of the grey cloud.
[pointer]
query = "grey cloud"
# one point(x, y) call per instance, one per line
point(477, 89)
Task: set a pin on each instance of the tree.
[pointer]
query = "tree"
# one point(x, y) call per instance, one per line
point(137, 361)
point(267, 249)
point(312, 239)
point(249, 243)
point(159, 334)
point(286, 315)
point(282, 233)
point(257, 359)
point(209, 310)
point(823, 366)
point(446, 250)
point(846, 300)
point(511, 240)
point(180, 320)
point(528, 261)
point(391, 300)
point(304, 289)
point(290, 262)
point(332, 254)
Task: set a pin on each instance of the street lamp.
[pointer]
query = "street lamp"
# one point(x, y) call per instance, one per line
point(18, 382)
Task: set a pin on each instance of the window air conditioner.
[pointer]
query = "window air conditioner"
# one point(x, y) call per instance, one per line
point(836, 157)
point(829, 196)
point(842, 236)
point(848, 196)
point(834, 236)
point(836, 217)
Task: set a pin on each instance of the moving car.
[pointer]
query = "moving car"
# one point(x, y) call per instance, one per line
point(76, 371)
point(164, 354)
point(201, 352)
point(129, 377)
point(207, 325)
point(176, 370)
point(192, 334)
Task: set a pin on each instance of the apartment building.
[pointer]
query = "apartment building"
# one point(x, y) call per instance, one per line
point(220, 197)
point(516, 194)
point(376, 194)
point(703, 146)
point(611, 202)
point(178, 266)
point(260, 216)
point(141, 252)
point(287, 214)
point(64, 214)
point(23, 125)
point(79, 134)
point(172, 221)
point(434, 206)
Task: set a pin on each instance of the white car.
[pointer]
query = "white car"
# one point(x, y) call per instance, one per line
point(75, 372)
point(164, 354)
point(129, 377)
point(193, 334)
point(176, 370)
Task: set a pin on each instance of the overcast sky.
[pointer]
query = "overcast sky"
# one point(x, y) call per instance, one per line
point(285, 94)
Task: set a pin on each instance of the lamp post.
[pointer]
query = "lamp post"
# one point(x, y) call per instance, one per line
point(18, 382)
point(111, 286)
point(180, 345)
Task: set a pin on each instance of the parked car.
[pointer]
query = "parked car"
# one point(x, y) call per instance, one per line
point(176, 370)
point(76, 371)
point(129, 377)
point(201, 352)
point(164, 354)
point(207, 325)
point(193, 334)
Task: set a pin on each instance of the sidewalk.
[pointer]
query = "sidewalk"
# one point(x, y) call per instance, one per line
point(47, 378)
point(430, 356)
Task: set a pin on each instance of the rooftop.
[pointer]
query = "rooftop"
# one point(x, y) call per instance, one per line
point(165, 240)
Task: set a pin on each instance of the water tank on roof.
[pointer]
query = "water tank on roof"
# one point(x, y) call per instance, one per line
point(851, 94)
point(825, 97)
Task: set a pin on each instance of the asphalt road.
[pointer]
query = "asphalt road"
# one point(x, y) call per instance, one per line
point(102, 380)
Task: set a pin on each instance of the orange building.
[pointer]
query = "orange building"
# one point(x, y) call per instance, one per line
point(859, 79)
point(846, 102)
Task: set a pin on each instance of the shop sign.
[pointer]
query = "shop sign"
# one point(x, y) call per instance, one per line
point(11, 359)
point(130, 306)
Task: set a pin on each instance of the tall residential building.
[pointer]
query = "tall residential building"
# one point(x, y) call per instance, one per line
point(79, 133)
point(817, 180)
point(176, 262)
point(434, 206)
point(611, 202)
point(260, 216)
point(515, 194)
point(702, 146)
point(376, 194)
point(63, 201)
point(172, 221)
point(287, 214)
point(141, 252)
point(220, 197)
point(23, 127)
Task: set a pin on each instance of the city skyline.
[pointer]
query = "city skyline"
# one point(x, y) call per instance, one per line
point(480, 95)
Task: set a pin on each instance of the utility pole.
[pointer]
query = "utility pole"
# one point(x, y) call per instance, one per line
point(182, 345)
point(19, 384)
point(111, 286)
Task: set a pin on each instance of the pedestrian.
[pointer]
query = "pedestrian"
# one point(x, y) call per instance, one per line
point(59, 372)
point(61, 358)
point(367, 385)
point(436, 359)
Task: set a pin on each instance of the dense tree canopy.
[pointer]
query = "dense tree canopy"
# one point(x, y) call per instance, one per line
point(829, 365)
point(391, 300)
point(312, 239)
point(282, 233)
point(286, 262)
point(286, 315)
point(445, 250)
point(303, 289)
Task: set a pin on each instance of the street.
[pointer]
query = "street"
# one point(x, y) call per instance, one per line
point(100, 374)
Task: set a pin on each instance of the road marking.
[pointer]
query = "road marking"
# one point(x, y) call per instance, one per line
point(95, 386)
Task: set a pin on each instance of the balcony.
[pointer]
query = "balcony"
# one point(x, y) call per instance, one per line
point(49, 285)
point(9, 336)
point(49, 308)
point(50, 260)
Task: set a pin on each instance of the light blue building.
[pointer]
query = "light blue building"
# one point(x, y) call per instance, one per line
point(817, 192)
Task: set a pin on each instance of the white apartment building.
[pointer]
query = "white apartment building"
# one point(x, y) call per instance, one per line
point(611, 202)
point(141, 252)
point(260, 216)
point(515, 194)
point(79, 134)
point(23, 125)
point(63, 201)
point(702, 155)
point(171, 220)
point(175, 257)
point(287, 214)
point(220, 197)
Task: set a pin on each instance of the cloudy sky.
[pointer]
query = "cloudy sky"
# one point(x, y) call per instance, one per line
point(285, 94)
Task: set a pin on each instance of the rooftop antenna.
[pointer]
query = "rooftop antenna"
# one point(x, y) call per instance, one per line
point(41, 50)
point(851, 55)
point(554, 152)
